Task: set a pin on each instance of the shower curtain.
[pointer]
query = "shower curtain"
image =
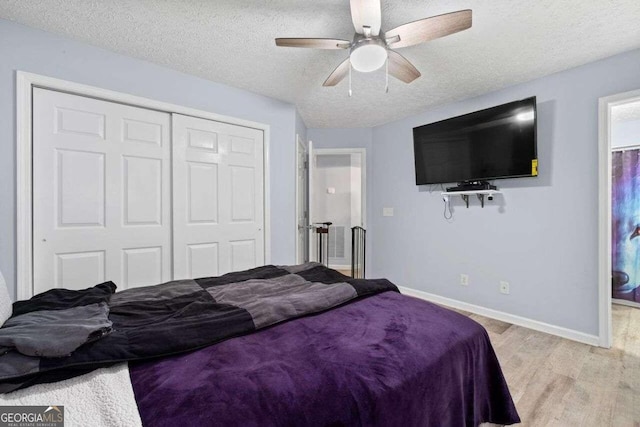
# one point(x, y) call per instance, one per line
point(625, 196)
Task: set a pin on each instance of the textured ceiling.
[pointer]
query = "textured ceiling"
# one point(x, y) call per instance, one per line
point(231, 41)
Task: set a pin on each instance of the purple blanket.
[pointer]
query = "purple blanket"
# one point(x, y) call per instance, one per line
point(384, 360)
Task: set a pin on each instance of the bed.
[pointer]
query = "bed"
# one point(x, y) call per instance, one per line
point(321, 349)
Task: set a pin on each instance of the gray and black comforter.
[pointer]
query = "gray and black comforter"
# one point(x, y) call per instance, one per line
point(174, 317)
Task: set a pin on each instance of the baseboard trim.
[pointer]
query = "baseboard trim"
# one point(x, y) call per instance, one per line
point(625, 302)
point(504, 317)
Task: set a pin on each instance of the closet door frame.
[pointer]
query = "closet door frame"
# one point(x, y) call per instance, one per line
point(25, 82)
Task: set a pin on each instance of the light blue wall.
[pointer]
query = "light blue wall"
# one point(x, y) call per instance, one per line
point(351, 138)
point(301, 128)
point(27, 49)
point(541, 235)
point(341, 138)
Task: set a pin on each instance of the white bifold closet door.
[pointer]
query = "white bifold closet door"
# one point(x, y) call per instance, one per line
point(118, 195)
point(101, 193)
point(218, 195)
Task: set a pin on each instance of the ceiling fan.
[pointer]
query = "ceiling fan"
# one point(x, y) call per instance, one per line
point(370, 48)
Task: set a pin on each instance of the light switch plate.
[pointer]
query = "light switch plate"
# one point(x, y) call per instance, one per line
point(387, 211)
point(331, 190)
point(464, 279)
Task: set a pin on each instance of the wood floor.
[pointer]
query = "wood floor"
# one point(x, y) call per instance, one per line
point(557, 382)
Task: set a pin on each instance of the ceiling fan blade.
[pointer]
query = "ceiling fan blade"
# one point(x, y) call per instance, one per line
point(366, 13)
point(313, 43)
point(427, 29)
point(338, 74)
point(401, 68)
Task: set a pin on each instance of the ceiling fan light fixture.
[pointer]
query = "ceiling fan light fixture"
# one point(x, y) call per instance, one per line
point(372, 49)
point(368, 57)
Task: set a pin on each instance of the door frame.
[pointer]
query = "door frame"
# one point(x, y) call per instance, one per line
point(25, 82)
point(363, 178)
point(305, 145)
point(605, 104)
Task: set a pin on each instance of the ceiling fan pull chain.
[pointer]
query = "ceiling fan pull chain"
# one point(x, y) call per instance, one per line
point(386, 85)
point(350, 92)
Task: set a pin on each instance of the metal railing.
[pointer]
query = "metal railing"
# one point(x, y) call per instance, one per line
point(321, 230)
point(358, 252)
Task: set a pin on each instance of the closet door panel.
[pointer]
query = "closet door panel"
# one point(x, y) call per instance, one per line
point(202, 192)
point(101, 193)
point(218, 194)
point(142, 192)
point(203, 260)
point(243, 193)
point(79, 194)
point(73, 270)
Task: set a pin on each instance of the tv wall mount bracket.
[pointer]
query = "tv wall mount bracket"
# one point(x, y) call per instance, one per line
point(481, 194)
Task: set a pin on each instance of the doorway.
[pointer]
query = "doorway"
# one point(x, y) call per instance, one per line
point(337, 195)
point(619, 152)
point(625, 203)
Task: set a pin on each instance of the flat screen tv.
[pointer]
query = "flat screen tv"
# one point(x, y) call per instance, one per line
point(498, 142)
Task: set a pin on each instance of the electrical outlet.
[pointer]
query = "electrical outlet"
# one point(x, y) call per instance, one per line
point(464, 279)
point(504, 287)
